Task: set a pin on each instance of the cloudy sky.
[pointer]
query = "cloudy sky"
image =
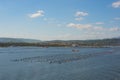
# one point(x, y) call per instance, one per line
point(60, 19)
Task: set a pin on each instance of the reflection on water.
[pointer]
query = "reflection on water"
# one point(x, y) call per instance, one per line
point(59, 64)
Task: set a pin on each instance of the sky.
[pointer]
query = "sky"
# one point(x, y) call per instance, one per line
point(60, 19)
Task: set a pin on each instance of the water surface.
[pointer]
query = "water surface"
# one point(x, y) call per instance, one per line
point(92, 63)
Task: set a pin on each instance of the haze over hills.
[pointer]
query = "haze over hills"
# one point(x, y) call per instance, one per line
point(18, 40)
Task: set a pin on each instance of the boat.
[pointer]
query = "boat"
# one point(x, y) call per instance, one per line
point(75, 50)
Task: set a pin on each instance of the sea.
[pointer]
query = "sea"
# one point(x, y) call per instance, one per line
point(59, 63)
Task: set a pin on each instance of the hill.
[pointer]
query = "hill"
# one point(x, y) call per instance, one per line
point(6, 42)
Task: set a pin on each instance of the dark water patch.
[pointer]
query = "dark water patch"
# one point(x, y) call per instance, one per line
point(62, 58)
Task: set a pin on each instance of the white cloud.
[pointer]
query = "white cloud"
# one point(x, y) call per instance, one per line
point(90, 31)
point(116, 4)
point(117, 18)
point(37, 14)
point(98, 28)
point(79, 19)
point(104, 29)
point(114, 29)
point(80, 26)
point(79, 14)
point(93, 27)
point(98, 23)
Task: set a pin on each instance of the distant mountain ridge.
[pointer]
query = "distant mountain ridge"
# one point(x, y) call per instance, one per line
point(18, 40)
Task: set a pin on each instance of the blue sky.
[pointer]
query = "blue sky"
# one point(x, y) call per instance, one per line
point(63, 19)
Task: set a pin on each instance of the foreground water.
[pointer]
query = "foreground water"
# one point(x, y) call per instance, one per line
point(34, 63)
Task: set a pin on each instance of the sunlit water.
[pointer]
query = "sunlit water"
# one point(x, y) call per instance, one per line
point(35, 63)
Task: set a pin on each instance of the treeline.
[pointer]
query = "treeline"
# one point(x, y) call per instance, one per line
point(77, 43)
point(9, 44)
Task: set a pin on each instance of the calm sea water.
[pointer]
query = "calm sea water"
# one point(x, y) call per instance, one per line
point(35, 63)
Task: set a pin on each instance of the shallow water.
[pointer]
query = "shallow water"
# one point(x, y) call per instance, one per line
point(43, 63)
